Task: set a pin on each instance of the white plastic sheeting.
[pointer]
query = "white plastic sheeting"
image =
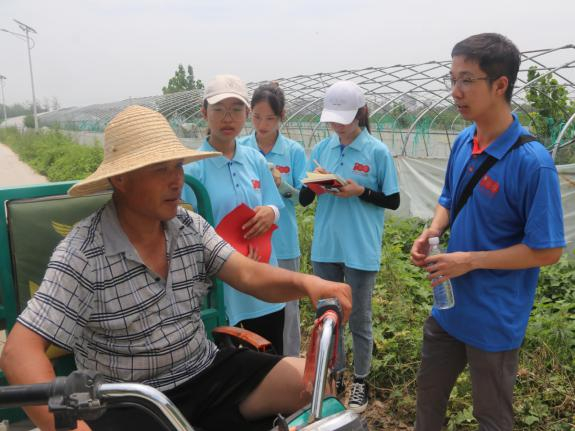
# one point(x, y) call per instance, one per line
point(567, 178)
point(421, 181)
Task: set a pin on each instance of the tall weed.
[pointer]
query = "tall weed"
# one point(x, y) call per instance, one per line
point(545, 388)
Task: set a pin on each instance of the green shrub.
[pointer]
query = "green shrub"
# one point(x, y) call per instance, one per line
point(29, 121)
point(53, 154)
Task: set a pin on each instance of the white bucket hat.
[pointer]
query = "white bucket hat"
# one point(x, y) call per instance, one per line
point(225, 86)
point(341, 102)
point(135, 138)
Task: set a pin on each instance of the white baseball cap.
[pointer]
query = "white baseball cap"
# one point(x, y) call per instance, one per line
point(341, 102)
point(225, 86)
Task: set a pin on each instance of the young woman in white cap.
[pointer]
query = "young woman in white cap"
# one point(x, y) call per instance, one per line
point(240, 175)
point(288, 160)
point(348, 226)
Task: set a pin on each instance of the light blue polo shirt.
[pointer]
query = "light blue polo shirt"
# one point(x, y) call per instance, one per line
point(350, 230)
point(288, 156)
point(243, 179)
point(518, 201)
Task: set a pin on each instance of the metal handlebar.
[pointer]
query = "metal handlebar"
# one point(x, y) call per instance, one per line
point(82, 395)
point(324, 353)
point(147, 397)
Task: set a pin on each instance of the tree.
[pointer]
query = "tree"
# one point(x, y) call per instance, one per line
point(55, 104)
point(46, 105)
point(551, 103)
point(19, 109)
point(182, 82)
point(29, 121)
point(403, 118)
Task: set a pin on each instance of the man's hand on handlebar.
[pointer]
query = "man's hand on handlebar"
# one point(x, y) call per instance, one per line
point(329, 289)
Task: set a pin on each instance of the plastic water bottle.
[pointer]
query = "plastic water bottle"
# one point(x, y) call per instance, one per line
point(442, 293)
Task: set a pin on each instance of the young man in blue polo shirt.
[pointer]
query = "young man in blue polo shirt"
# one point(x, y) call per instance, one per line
point(511, 225)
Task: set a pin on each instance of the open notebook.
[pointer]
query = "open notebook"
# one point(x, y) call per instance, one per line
point(321, 183)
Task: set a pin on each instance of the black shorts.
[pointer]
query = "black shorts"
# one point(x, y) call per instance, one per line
point(210, 400)
point(269, 326)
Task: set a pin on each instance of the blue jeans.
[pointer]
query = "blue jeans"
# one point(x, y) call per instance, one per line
point(361, 283)
point(292, 335)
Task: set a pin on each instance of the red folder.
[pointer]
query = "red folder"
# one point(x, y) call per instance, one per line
point(230, 229)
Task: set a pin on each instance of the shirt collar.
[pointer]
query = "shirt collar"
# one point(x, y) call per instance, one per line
point(278, 148)
point(476, 149)
point(116, 241)
point(334, 142)
point(503, 142)
point(221, 161)
point(357, 143)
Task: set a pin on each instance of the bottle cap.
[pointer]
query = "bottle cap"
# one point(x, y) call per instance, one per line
point(433, 240)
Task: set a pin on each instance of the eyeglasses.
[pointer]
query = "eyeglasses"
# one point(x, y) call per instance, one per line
point(462, 83)
point(219, 113)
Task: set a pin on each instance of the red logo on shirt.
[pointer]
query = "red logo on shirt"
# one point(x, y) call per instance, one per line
point(361, 168)
point(283, 169)
point(256, 184)
point(489, 185)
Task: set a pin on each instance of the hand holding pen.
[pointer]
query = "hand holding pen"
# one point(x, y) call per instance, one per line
point(319, 169)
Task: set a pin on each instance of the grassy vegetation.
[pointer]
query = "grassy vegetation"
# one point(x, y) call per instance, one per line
point(53, 154)
point(545, 389)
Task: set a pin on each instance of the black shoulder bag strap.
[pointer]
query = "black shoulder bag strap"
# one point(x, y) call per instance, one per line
point(482, 170)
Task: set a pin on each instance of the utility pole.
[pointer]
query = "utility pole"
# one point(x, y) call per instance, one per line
point(2, 78)
point(27, 30)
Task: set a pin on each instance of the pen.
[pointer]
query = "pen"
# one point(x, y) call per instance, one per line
point(317, 164)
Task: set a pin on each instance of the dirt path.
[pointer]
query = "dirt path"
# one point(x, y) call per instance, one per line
point(14, 172)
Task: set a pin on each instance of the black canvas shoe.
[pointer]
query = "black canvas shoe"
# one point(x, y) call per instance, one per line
point(358, 396)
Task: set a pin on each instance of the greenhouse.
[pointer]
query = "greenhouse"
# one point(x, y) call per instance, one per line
point(410, 105)
point(411, 110)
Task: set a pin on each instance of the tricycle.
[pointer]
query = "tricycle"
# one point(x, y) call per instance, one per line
point(83, 395)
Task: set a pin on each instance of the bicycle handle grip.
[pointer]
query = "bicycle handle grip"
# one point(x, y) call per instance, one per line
point(25, 395)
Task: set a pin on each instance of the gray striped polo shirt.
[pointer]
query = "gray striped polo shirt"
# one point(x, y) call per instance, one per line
point(100, 301)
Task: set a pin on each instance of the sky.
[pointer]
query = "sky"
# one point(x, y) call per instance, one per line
point(98, 51)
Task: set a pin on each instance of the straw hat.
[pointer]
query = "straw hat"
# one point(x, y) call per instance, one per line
point(134, 138)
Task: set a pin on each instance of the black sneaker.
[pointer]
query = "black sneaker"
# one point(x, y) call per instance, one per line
point(358, 396)
point(339, 384)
